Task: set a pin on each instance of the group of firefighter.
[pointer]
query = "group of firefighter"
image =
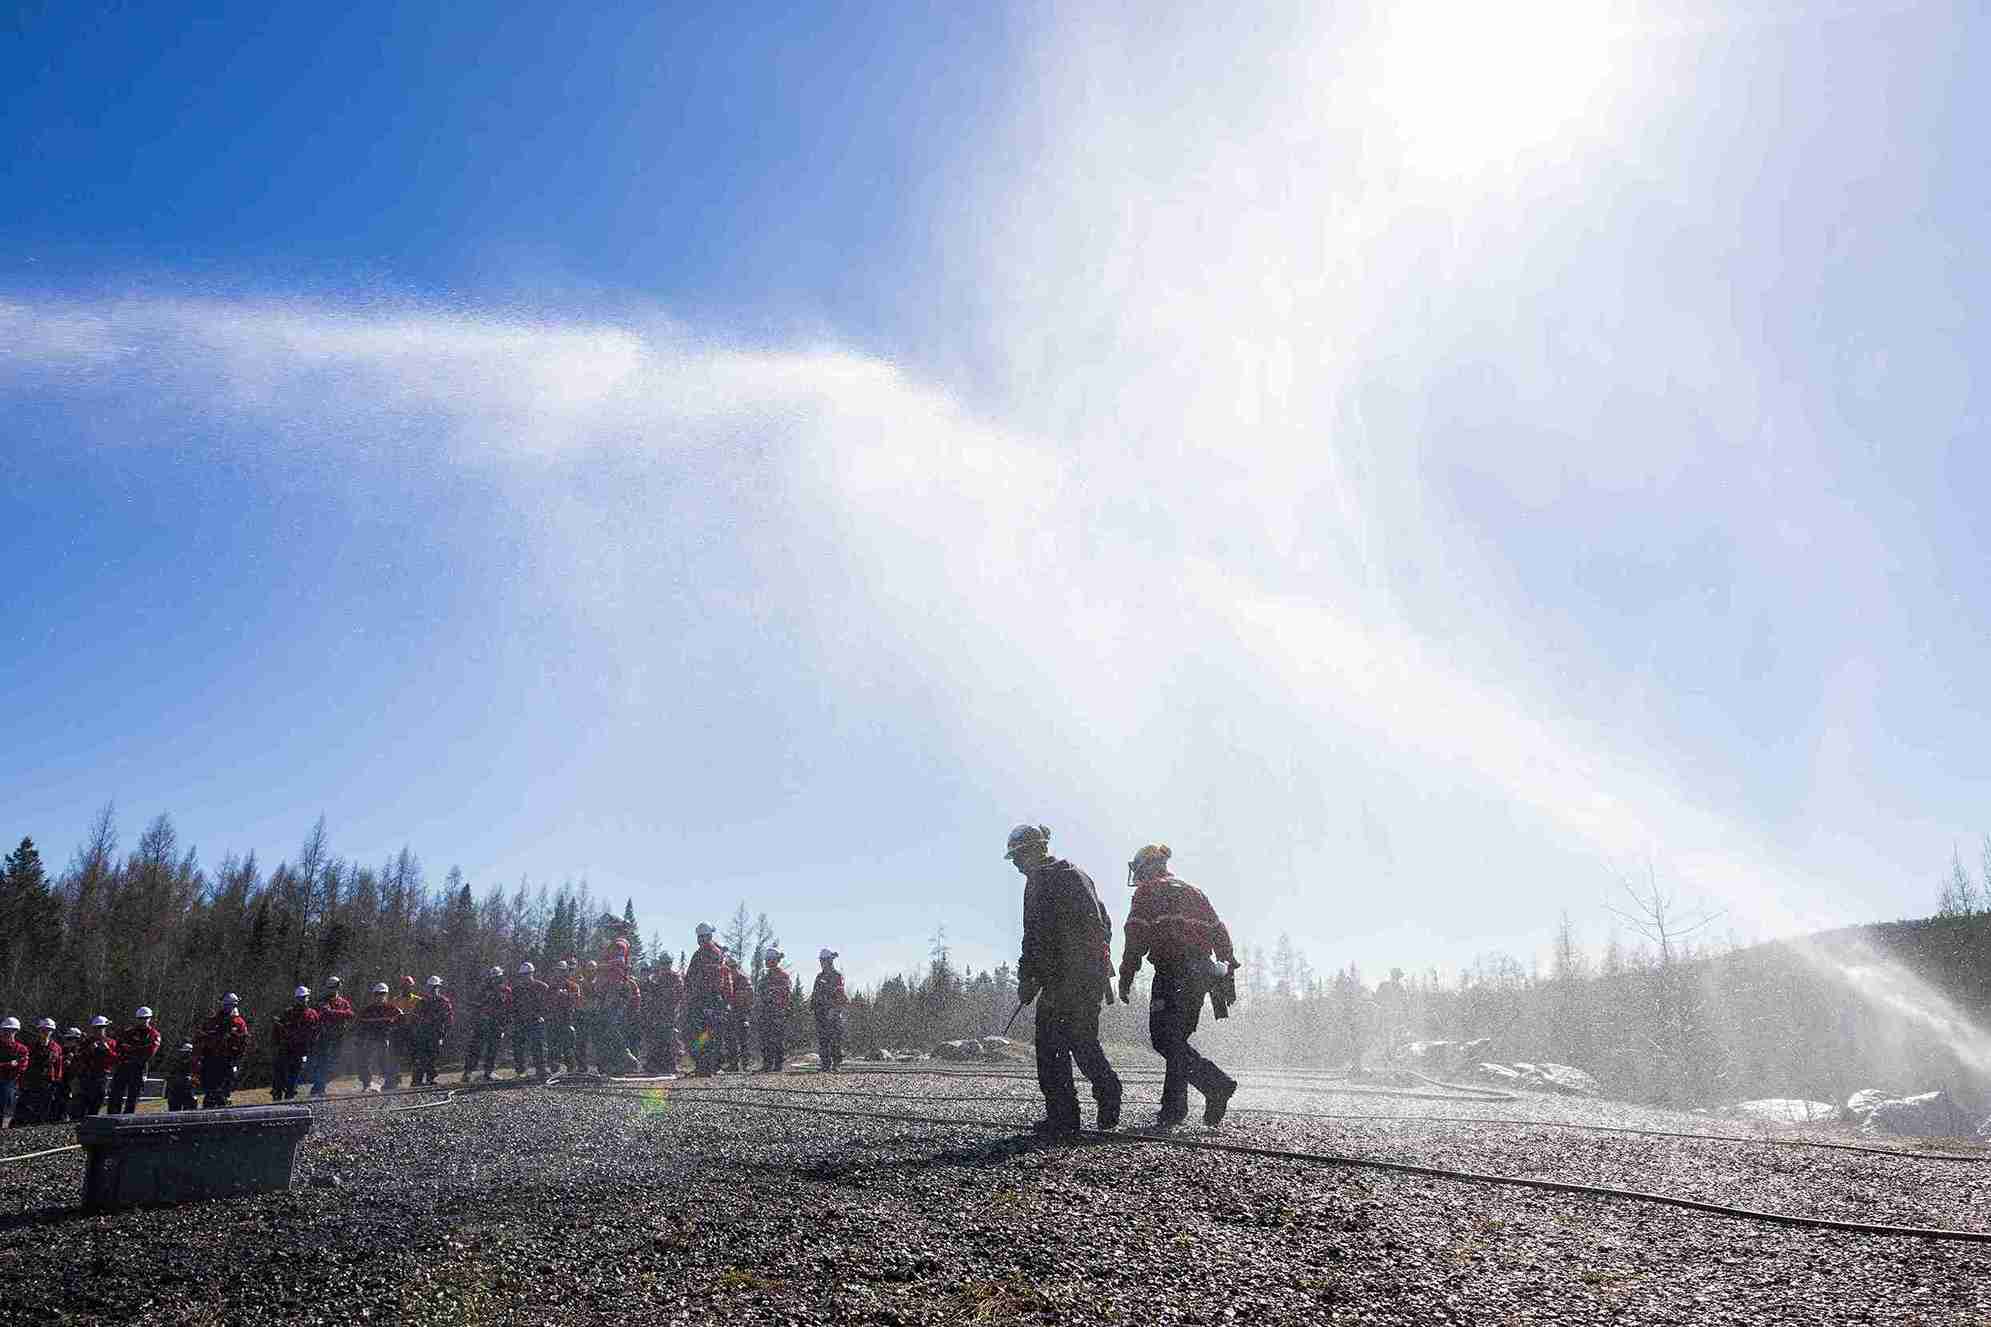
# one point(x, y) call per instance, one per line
point(606, 1015)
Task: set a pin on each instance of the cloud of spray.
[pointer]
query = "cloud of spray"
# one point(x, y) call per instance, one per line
point(1887, 985)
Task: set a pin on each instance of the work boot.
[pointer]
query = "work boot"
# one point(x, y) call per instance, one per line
point(1055, 1128)
point(1218, 1102)
point(1109, 1114)
point(1168, 1119)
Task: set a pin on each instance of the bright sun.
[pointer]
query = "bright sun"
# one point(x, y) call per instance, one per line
point(1471, 84)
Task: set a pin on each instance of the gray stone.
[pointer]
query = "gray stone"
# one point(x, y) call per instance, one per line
point(1928, 1115)
point(958, 1050)
point(180, 1156)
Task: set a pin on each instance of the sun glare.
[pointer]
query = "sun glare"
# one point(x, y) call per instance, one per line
point(1472, 86)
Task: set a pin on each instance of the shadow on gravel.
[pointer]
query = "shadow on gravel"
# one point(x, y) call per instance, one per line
point(46, 1216)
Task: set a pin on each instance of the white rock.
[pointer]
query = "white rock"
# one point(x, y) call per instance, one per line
point(1862, 1102)
point(1928, 1115)
point(1786, 1110)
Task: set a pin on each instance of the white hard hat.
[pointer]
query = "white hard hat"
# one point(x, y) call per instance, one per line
point(100, 1022)
point(301, 993)
point(231, 998)
point(495, 971)
point(435, 981)
point(72, 1032)
point(331, 981)
point(186, 1045)
point(380, 988)
point(826, 953)
point(47, 1023)
point(144, 1011)
point(704, 929)
point(773, 952)
point(525, 969)
point(10, 1024)
point(561, 966)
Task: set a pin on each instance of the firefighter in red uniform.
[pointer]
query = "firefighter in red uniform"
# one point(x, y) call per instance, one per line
point(1174, 927)
point(493, 1009)
point(95, 1064)
point(777, 988)
point(13, 1066)
point(828, 1002)
point(739, 1014)
point(409, 1001)
point(1067, 936)
point(374, 1032)
point(433, 1017)
point(663, 1002)
point(530, 999)
point(335, 1022)
point(222, 1041)
point(619, 1006)
point(563, 1011)
point(137, 1045)
point(705, 996)
point(293, 1038)
point(39, 1079)
point(587, 1030)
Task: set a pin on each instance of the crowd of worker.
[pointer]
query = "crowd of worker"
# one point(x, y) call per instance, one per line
point(610, 1016)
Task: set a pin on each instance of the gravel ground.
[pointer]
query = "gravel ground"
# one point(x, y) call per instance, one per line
point(684, 1204)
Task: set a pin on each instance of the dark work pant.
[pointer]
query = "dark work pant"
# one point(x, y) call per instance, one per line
point(373, 1053)
point(773, 1037)
point(586, 1038)
point(126, 1084)
point(31, 1107)
point(1175, 1010)
point(483, 1047)
point(58, 1102)
point(1068, 1033)
point(829, 1039)
point(326, 1062)
point(423, 1048)
point(660, 1052)
point(180, 1094)
point(739, 1029)
point(707, 1013)
point(91, 1092)
point(217, 1080)
point(560, 1042)
point(286, 1068)
point(529, 1037)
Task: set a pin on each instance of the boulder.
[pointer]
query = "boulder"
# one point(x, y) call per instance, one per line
point(958, 1050)
point(1927, 1115)
point(1448, 1054)
point(1565, 1079)
point(1785, 1110)
point(1861, 1103)
point(996, 1045)
point(876, 1055)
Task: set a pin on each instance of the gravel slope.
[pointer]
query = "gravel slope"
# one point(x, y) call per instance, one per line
point(556, 1205)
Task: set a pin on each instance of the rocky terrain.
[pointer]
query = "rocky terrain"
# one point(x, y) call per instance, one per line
point(690, 1202)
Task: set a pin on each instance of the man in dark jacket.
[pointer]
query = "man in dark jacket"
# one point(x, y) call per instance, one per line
point(530, 999)
point(777, 989)
point(489, 1015)
point(1064, 967)
point(1174, 927)
point(433, 1017)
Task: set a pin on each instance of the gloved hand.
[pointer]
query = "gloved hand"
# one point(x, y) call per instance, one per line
point(1027, 991)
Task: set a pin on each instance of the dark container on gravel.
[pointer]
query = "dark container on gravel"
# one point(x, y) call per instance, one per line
point(184, 1155)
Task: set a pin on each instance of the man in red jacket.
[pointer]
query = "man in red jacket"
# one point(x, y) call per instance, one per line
point(530, 999)
point(433, 1018)
point(564, 1013)
point(776, 989)
point(137, 1045)
point(492, 1011)
point(294, 1036)
point(94, 1065)
point(373, 1035)
point(705, 988)
point(13, 1065)
point(39, 1079)
point(221, 1042)
point(619, 1006)
point(1173, 926)
point(663, 1001)
point(335, 1021)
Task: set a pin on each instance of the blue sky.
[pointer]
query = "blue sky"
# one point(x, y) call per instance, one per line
point(1417, 464)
